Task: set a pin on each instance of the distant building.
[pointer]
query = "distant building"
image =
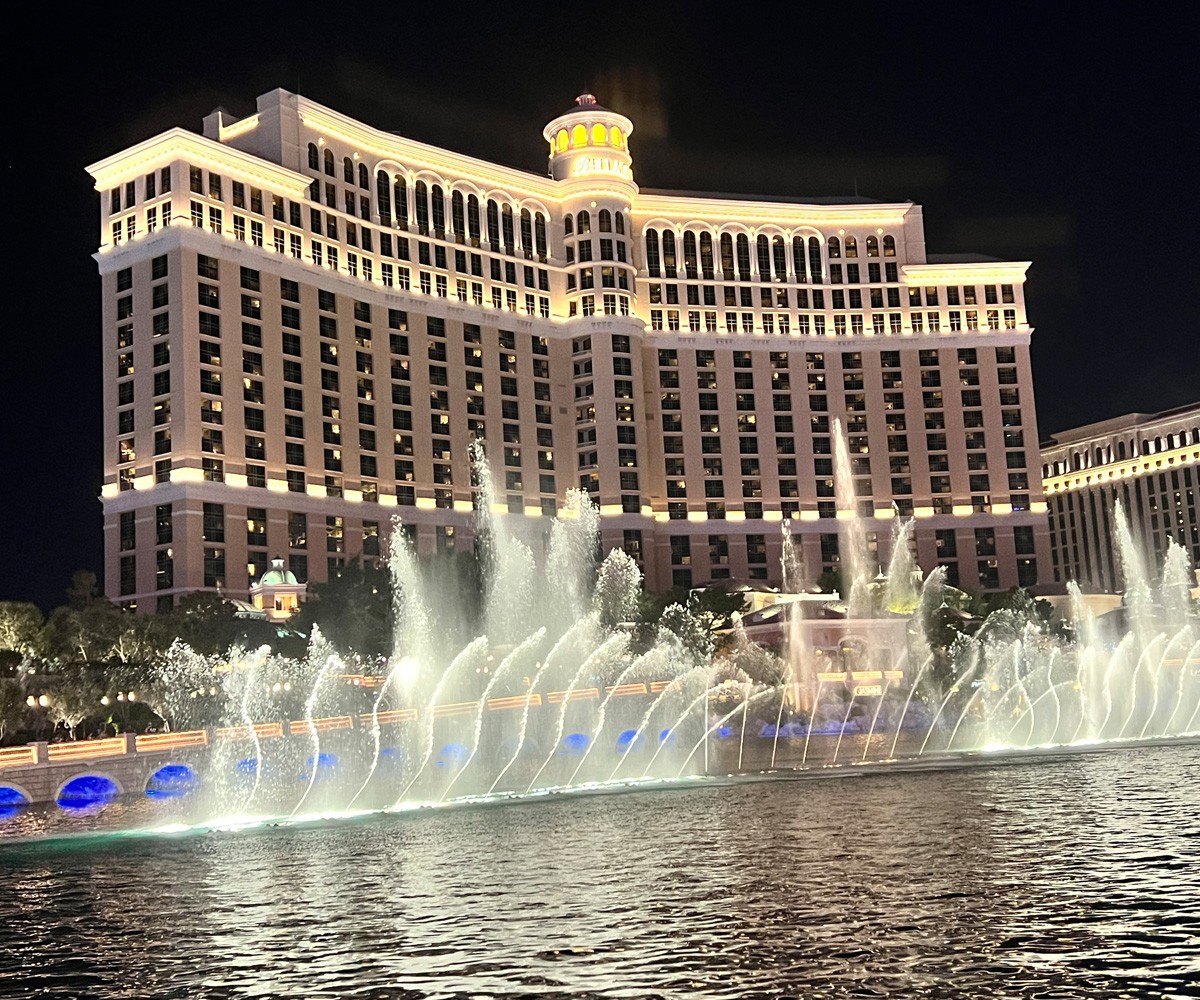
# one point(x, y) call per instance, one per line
point(1148, 461)
point(277, 593)
point(307, 320)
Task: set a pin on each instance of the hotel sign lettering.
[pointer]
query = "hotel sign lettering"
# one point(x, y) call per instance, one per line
point(588, 166)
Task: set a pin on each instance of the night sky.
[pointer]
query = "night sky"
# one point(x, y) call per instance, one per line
point(1054, 136)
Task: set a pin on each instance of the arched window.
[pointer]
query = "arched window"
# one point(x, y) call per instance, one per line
point(763, 246)
point(400, 190)
point(889, 246)
point(579, 135)
point(473, 219)
point(568, 224)
point(851, 247)
point(814, 259)
point(872, 246)
point(420, 196)
point(619, 218)
point(583, 223)
point(670, 269)
point(835, 248)
point(457, 218)
point(599, 135)
point(526, 232)
point(539, 233)
point(743, 257)
point(689, 255)
point(439, 211)
point(329, 169)
point(1120, 450)
point(383, 194)
point(493, 223)
point(605, 220)
point(314, 158)
point(560, 140)
point(347, 170)
point(726, 257)
point(798, 259)
point(652, 259)
point(706, 256)
point(506, 220)
point(364, 177)
point(779, 251)
point(617, 138)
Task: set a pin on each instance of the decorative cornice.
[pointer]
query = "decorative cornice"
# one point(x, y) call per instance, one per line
point(179, 144)
point(966, 273)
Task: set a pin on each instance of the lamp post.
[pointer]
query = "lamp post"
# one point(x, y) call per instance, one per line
point(39, 701)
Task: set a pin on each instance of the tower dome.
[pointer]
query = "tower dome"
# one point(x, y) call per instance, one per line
point(590, 141)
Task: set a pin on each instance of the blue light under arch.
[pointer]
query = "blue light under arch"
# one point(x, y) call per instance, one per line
point(172, 781)
point(452, 755)
point(87, 791)
point(12, 801)
point(326, 764)
point(629, 740)
point(574, 744)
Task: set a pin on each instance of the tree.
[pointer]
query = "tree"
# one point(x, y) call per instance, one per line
point(82, 633)
point(75, 691)
point(204, 620)
point(618, 589)
point(20, 623)
point(12, 705)
point(830, 582)
point(353, 611)
point(691, 630)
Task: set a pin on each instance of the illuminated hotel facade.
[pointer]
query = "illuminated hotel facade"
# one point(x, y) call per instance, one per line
point(1150, 462)
point(308, 320)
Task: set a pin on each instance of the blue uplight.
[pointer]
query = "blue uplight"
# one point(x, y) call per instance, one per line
point(247, 766)
point(87, 792)
point(574, 745)
point(667, 736)
point(725, 732)
point(452, 755)
point(12, 801)
point(628, 740)
point(325, 764)
point(172, 781)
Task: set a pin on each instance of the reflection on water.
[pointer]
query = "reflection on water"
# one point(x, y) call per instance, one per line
point(1078, 876)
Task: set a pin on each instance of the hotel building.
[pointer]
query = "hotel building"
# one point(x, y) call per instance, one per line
point(1150, 462)
point(307, 321)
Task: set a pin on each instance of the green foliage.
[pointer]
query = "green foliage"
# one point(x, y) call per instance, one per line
point(12, 705)
point(20, 623)
point(204, 620)
point(830, 582)
point(74, 689)
point(618, 589)
point(690, 629)
point(715, 605)
point(353, 611)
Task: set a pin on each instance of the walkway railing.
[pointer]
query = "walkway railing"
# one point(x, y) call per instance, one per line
point(39, 753)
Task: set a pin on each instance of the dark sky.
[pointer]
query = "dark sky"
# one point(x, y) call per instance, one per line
point(1065, 137)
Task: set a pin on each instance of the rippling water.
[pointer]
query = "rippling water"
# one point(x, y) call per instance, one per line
point(1077, 876)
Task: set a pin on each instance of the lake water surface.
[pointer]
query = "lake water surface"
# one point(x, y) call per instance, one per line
point(1072, 876)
